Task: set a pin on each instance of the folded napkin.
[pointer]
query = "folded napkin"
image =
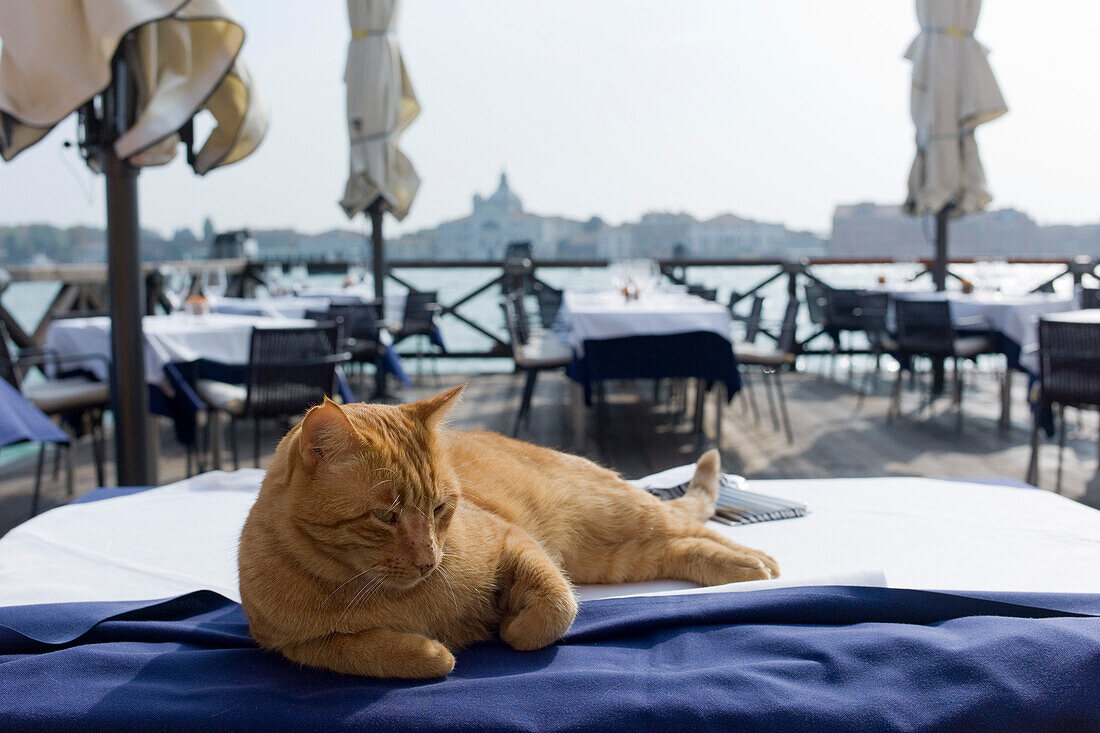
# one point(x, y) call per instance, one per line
point(736, 504)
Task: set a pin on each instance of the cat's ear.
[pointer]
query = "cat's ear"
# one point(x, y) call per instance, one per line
point(325, 430)
point(432, 410)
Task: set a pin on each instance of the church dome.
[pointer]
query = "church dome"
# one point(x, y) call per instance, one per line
point(503, 197)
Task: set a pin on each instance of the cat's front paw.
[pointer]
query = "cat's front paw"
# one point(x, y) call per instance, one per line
point(539, 624)
point(431, 660)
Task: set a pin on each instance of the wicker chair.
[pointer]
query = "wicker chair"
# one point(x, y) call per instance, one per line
point(925, 328)
point(702, 291)
point(532, 353)
point(289, 370)
point(421, 308)
point(360, 332)
point(549, 300)
point(1090, 298)
point(873, 308)
point(79, 399)
point(772, 360)
point(1068, 376)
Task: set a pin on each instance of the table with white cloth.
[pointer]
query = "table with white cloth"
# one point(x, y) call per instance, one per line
point(393, 308)
point(897, 594)
point(1012, 320)
point(283, 306)
point(658, 335)
point(176, 345)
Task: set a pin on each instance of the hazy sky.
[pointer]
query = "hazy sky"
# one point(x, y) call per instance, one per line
point(775, 110)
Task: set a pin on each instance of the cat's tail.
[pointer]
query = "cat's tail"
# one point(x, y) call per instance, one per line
point(702, 494)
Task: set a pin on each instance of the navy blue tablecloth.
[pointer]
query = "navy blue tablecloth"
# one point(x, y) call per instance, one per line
point(21, 421)
point(798, 659)
point(699, 354)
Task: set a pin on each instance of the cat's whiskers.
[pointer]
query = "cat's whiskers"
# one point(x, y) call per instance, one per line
point(352, 578)
point(365, 592)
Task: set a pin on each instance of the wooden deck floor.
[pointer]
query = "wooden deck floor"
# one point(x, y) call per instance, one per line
point(832, 438)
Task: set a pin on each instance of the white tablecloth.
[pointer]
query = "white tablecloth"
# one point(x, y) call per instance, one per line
point(914, 532)
point(1014, 316)
point(607, 315)
point(393, 303)
point(1029, 360)
point(179, 337)
point(278, 307)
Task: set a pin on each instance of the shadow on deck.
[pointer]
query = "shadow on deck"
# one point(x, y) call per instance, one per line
point(832, 438)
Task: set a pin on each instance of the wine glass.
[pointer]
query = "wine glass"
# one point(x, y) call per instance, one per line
point(177, 286)
point(214, 282)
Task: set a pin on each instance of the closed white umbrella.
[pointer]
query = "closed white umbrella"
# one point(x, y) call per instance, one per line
point(182, 58)
point(953, 92)
point(381, 104)
point(138, 71)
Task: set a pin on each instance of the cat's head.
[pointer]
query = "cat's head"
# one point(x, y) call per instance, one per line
point(372, 486)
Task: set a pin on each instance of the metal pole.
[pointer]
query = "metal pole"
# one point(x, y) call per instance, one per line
point(378, 254)
point(129, 393)
point(939, 281)
point(939, 264)
point(378, 250)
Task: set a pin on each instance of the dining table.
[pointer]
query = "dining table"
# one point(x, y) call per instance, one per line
point(179, 348)
point(660, 334)
point(1012, 320)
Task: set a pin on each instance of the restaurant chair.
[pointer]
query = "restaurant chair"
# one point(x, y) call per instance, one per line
point(421, 309)
point(289, 370)
point(77, 401)
point(702, 291)
point(772, 360)
point(873, 308)
point(549, 300)
point(1090, 298)
point(925, 328)
point(532, 353)
point(1068, 377)
point(361, 331)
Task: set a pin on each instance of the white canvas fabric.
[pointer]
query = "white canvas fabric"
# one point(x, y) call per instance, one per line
point(184, 58)
point(381, 104)
point(953, 92)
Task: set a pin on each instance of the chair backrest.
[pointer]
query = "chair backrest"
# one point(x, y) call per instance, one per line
point(817, 301)
point(290, 369)
point(924, 327)
point(8, 371)
point(549, 304)
point(515, 318)
point(418, 311)
point(361, 321)
point(752, 320)
point(843, 309)
point(1068, 355)
point(703, 292)
point(1090, 297)
point(786, 341)
point(872, 313)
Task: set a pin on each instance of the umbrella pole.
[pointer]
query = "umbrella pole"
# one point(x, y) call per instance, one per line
point(939, 264)
point(939, 281)
point(130, 396)
point(378, 255)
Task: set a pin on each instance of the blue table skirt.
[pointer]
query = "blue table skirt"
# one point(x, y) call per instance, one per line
point(21, 421)
point(700, 354)
point(797, 659)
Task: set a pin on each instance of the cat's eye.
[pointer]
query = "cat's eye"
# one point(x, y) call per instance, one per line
point(386, 515)
point(439, 509)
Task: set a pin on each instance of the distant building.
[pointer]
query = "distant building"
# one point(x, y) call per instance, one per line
point(731, 237)
point(497, 220)
point(875, 230)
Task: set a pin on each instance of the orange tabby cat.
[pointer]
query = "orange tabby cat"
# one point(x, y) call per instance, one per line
point(381, 541)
